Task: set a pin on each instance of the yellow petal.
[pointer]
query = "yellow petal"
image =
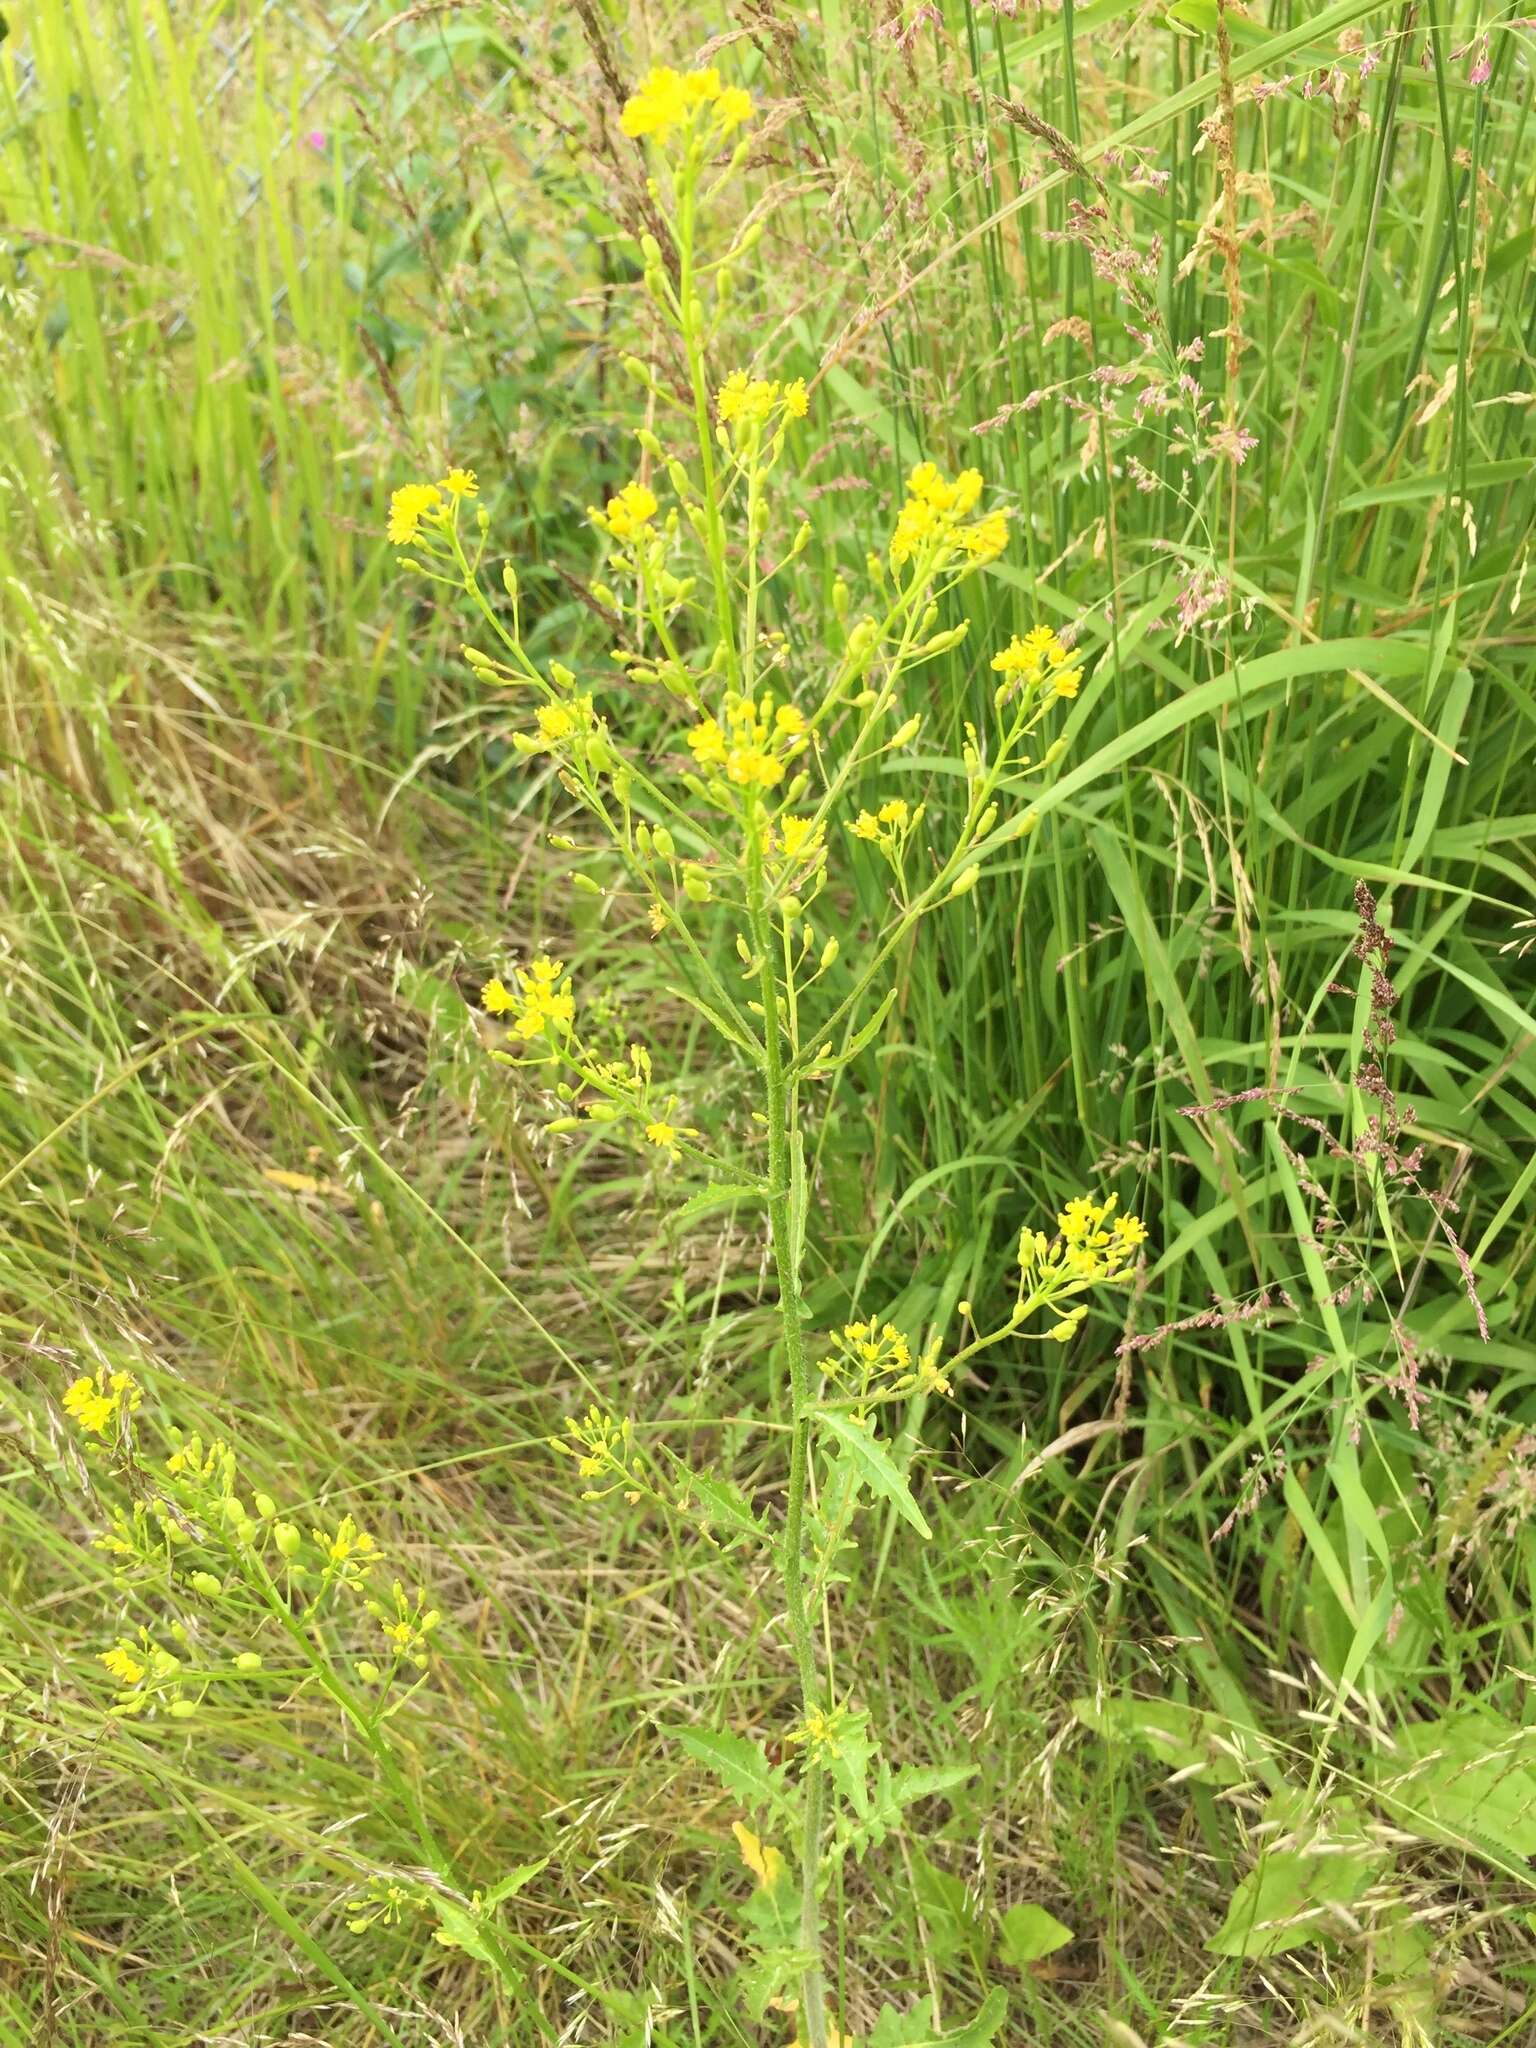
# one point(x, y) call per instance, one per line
point(765, 1863)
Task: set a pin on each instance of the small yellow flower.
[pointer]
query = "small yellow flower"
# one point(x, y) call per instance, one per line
point(956, 499)
point(660, 105)
point(732, 107)
point(350, 1554)
point(987, 537)
point(933, 511)
point(661, 1134)
point(797, 401)
point(667, 100)
point(407, 508)
point(752, 744)
point(460, 483)
point(407, 1630)
point(145, 1675)
point(865, 826)
point(1016, 659)
point(915, 523)
point(929, 1377)
point(95, 1404)
point(628, 514)
point(496, 998)
point(751, 767)
point(745, 398)
point(544, 1002)
point(706, 742)
point(122, 1665)
point(895, 812)
point(556, 722)
point(1040, 657)
point(799, 836)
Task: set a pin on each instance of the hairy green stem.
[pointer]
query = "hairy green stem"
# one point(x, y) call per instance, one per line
point(780, 1107)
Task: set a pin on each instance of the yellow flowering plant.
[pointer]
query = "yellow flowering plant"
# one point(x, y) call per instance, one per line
point(230, 1603)
point(730, 832)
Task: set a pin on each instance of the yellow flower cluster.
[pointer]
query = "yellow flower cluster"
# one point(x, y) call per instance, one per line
point(744, 401)
point(753, 744)
point(384, 1903)
point(888, 826)
point(146, 1675)
point(668, 102)
point(191, 1461)
point(414, 502)
point(96, 1403)
point(602, 1448)
point(348, 1555)
point(823, 1731)
point(406, 1629)
point(627, 515)
point(798, 838)
point(541, 1004)
point(874, 1360)
point(1094, 1246)
point(871, 1347)
point(1038, 661)
point(561, 722)
point(936, 515)
point(1098, 1241)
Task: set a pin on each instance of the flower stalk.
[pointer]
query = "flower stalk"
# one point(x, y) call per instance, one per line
point(726, 830)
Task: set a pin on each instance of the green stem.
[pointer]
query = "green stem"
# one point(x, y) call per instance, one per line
point(782, 1132)
point(693, 348)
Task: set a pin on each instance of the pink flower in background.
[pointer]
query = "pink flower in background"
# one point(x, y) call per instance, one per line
point(1234, 442)
point(315, 140)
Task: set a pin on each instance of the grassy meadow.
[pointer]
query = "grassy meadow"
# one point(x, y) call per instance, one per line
point(1179, 1671)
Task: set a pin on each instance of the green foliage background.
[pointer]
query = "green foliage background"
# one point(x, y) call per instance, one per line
point(265, 834)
